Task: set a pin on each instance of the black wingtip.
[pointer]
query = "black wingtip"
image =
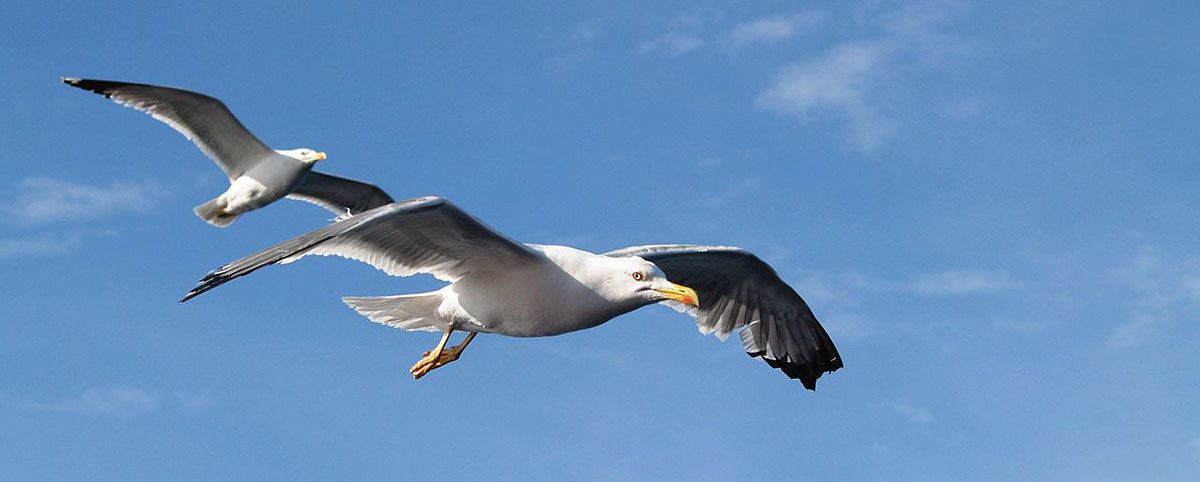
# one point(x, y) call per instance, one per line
point(192, 294)
point(807, 373)
point(208, 282)
point(102, 87)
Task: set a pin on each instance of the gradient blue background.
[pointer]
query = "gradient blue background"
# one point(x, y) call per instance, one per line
point(991, 207)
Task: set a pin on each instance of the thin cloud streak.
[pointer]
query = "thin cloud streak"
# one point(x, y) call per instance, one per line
point(116, 402)
point(773, 29)
point(909, 412)
point(47, 244)
point(38, 246)
point(684, 33)
point(670, 45)
point(960, 282)
point(578, 47)
point(691, 32)
point(955, 282)
point(119, 402)
point(41, 200)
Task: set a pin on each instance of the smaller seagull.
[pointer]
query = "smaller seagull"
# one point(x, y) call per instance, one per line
point(258, 175)
point(500, 286)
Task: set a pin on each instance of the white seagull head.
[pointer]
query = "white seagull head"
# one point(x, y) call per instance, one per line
point(304, 154)
point(635, 279)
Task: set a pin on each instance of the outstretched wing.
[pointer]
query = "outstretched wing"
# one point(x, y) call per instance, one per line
point(737, 289)
point(422, 235)
point(339, 194)
point(202, 119)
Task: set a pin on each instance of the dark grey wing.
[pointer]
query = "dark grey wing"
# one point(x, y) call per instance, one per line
point(422, 235)
point(737, 289)
point(202, 119)
point(339, 194)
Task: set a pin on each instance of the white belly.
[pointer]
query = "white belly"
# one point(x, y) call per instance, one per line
point(535, 305)
point(244, 194)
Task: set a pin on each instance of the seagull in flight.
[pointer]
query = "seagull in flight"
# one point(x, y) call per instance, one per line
point(499, 286)
point(258, 175)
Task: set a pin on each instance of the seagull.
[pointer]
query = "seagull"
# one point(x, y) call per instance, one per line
point(258, 175)
point(499, 286)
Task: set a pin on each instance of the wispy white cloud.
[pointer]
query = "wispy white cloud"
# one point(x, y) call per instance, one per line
point(1138, 330)
point(1161, 290)
point(193, 401)
point(585, 32)
point(670, 44)
point(1024, 325)
point(577, 48)
point(40, 200)
point(694, 30)
point(844, 297)
point(684, 33)
point(909, 412)
point(837, 82)
point(955, 282)
point(120, 402)
point(37, 246)
point(847, 326)
point(115, 402)
point(961, 282)
point(1146, 298)
point(917, 25)
point(733, 190)
point(846, 79)
point(773, 29)
point(49, 243)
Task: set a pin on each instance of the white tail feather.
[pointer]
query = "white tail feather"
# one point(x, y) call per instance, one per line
point(409, 312)
point(213, 212)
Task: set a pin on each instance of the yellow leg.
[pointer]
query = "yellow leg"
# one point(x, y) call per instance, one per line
point(431, 358)
point(450, 354)
point(466, 341)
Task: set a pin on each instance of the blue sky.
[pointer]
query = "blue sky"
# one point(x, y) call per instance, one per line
point(990, 206)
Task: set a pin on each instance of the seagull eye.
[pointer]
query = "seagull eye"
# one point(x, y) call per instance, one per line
point(638, 276)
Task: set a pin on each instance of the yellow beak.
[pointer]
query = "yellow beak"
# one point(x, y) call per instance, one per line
point(320, 156)
point(680, 293)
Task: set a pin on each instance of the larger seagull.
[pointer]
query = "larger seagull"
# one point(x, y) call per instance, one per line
point(504, 287)
point(258, 175)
